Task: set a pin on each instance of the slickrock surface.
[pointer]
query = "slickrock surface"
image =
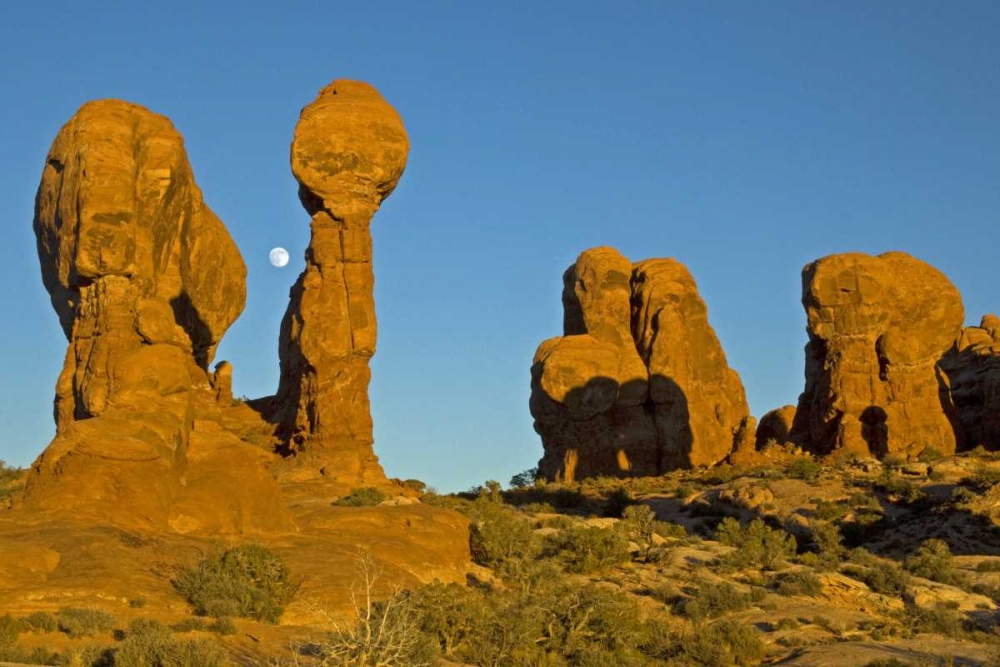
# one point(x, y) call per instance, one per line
point(973, 368)
point(145, 280)
point(348, 153)
point(639, 383)
point(878, 327)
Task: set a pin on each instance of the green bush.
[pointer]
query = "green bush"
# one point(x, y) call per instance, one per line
point(885, 578)
point(151, 644)
point(190, 625)
point(525, 478)
point(415, 485)
point(77, 622)
point(711, 600)
point(724, 643)
point(222, 626)
point(365, 497)
point(670, 530)
point(10, 628)
point(588, 549)
point(10, 481)
point(988, 566)
point(249, 581)
point(901, 489)
point(500, 535)
point(639, 523)
point(942, 620)
point(984, 478)
point(934, 561)
point(800, 582)
point(756, 544)
point(40, 621)
point(804, 468)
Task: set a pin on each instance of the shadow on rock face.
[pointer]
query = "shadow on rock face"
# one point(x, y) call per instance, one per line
point(605, 428)
point(875, 431)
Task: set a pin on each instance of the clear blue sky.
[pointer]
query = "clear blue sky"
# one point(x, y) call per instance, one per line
point(744, 139)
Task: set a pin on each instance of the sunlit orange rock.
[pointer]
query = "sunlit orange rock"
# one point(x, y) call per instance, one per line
point(348, 153)
point(878, 328)
point(145, 280)
point(638, 384)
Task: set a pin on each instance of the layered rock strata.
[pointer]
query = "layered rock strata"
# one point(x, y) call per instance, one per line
point(638, 384)
point(878, 328)
point(348, 152)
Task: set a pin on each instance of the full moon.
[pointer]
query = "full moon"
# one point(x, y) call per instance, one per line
point(278, 257)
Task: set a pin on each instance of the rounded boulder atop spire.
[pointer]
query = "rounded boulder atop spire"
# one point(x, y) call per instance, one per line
point(349, 148)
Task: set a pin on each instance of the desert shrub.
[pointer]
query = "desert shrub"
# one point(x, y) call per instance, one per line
point(884, 578)
point(40, 621)
point(961, 495)
point(787, 623)
point(804, 468)
point(77, 622)
point(190, 625)
point(415, 485)
point(10, 481)
point(894, 486)
point(988, 566)
point(756, 544)
point(500, 535)
point(137, 603)
point(941, 619)
point(638, 522)
point(249, 581)
point(670, 530)
point(222, 626)
point(685, 491)
point(587, 549)
point(934, 561)
point(525, 478)
point(17, 654)
point(984, 477)
point(800, 582)
point(10, 628)
point(558, 522)
point(538, 508)
point(711, 600)
point(722, 644)
point(151, 644)
point(887, 662)
point(364, 497)
point(448, 613)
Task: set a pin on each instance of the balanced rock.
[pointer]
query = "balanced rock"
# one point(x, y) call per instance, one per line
point(878, 327)
point(348, 152)
point(638, 384)
point(145, 280)
point(973, 369)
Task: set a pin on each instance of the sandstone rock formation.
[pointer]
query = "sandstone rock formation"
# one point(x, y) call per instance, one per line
point(348, 153)
point(638, 384)
point(145, 280)
point(973, 369)
point(775, 425)
point(878, 326)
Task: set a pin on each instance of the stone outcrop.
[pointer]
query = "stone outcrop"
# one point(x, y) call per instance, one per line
point(348, 153)
point(973, 369)
point(775, 425)
point(145, 280)
point(878, 327)
point(638, 384)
